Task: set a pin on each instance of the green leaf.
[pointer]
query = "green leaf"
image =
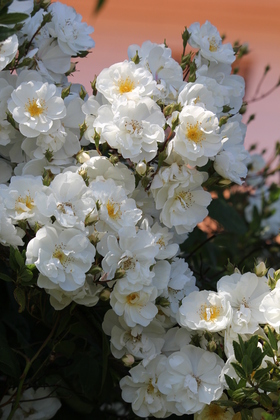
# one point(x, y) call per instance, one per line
point(261, 373)
point(257, 358)
point(247, 365)
point(267, 349)
point(20, 298)
point(246, 414)
point(12, 18)
point(272, 339)
point(237, 351)
point(6, 33)
point(265, 401)
point(231, 382)
point(5, 277)
point(5, 4)
point(270, 386)
point(227, 216)
point(239, 370)
point(26, 276)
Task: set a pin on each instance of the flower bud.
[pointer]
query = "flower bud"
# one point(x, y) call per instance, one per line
point(82, 157)
point(105, 295)
point(211, 346)
point(128, 360)
point(141, 168)
point(260, 269)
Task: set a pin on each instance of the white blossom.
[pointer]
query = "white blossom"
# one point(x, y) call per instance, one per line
point(191, 379)
point(141, 342)
point(245, 293)
point(141, 389)
point(35, 106)
point(208, 39)
point(72, 34)
point(34, 404)
point(197, 136)
point(8, 50)
point(125, 79)
point(204, 310)
point(134, 128)
point(62, 256)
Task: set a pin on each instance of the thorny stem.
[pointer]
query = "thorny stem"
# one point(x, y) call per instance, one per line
point(26, 370)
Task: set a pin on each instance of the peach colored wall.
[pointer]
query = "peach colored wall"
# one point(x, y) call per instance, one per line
point(123, 22)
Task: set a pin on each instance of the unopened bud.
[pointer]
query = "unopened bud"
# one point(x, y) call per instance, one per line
point(128, 360)
point(82, 93)
point(114, 159)
point(141, 168)
point(225, 182)
point(105, 295)
point(66, 91)
point(162, 301)
point(212, 346)
point(260, 269)
point(82, 157)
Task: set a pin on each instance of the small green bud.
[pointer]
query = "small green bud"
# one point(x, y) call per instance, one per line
point(185, 37)
point(169, 109)
point(227, 108)
point(162, 301)
point(114, 159)
point(175, 122)
point(223, 120)
point(48, 176)
point(94, 270)
point(136, 59)
point(49, 155)
point(83, 128)
point(93, 86)
point(251, 118)
point(96, 139)
point(211, 346)
point(66, 91)
point(82, 93)
point(243, 108)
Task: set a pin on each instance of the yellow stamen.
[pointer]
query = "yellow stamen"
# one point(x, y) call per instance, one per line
point(126, 85)
point(35, 107)
point(209, 313)
point(185, 198)
point(194, 133)
point(113, 210)
point(132, 298)
point(213, 46)
point(59, 254)
point(27, 201)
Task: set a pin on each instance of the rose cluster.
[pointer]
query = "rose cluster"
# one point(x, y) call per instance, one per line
point(101, 190)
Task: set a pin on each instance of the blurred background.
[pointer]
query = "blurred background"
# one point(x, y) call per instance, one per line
point(120, 23)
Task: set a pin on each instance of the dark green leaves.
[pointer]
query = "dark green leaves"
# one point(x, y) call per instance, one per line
point(227, 216)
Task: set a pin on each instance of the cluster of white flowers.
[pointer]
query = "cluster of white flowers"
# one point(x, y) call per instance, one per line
point(107, 186)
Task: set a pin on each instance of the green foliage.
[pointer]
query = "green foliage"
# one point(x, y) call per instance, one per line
point(257, 386)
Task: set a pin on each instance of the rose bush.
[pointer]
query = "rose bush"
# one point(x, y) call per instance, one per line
point(128, 232)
